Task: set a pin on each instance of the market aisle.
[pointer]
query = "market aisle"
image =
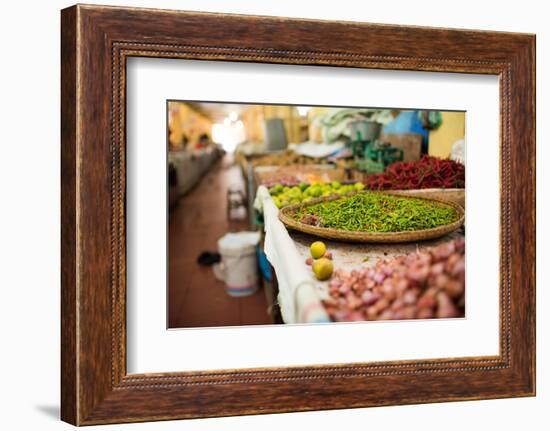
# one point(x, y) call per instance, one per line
point(196, 297)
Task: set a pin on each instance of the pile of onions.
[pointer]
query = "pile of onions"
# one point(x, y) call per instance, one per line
point(422, 285)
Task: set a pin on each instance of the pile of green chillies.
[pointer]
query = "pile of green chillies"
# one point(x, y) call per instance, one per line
point(377, 212)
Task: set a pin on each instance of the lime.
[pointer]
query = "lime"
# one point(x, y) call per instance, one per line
point(322, 268)
point(295, 192)
point(317, 249)
point(315, 191)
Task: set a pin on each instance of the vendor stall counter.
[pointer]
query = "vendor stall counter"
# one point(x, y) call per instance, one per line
point(300, 294)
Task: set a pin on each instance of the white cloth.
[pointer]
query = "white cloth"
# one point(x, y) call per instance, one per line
point(457, 152)
point(315, 150)
point(298, 297)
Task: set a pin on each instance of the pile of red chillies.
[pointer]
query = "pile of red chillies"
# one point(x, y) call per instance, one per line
point(428, 172)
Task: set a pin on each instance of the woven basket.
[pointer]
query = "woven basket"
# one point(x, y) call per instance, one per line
point(380, 237)
point(457, 196)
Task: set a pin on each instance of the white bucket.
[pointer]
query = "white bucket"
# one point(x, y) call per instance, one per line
point(238, 267)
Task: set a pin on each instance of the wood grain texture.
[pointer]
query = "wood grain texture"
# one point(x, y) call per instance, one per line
point(69, 361)
point(96, 42)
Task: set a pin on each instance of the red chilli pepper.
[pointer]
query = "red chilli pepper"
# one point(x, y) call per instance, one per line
point(425, 173)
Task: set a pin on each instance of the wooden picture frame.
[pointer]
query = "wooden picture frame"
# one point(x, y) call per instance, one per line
point(95, 43)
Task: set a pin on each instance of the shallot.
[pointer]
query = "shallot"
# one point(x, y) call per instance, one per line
point(429, 283)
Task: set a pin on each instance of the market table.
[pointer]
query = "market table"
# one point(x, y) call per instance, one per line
point(191, 166)
point(300, 293)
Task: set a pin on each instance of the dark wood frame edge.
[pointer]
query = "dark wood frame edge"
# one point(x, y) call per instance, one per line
point(96, 41)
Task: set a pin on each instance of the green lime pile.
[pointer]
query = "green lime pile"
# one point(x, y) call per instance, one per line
point(284, 195)
point(377, 212)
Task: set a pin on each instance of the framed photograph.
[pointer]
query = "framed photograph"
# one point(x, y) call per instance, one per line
point(264, 214)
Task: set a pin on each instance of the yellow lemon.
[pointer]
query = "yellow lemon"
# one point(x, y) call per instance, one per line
point(322, 268)
point(317, 249)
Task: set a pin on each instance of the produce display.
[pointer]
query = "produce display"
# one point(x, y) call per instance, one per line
point(293, 175)
point(422, 285)
point(428, 283)
point(285, 195)
point(282, 178)
point(377, 212)
point(428, 172)
point(284, 159)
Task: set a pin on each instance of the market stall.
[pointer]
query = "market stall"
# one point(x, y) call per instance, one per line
point(426, 181)
point(314, 214)
point(300, 293)
point(191, 166)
